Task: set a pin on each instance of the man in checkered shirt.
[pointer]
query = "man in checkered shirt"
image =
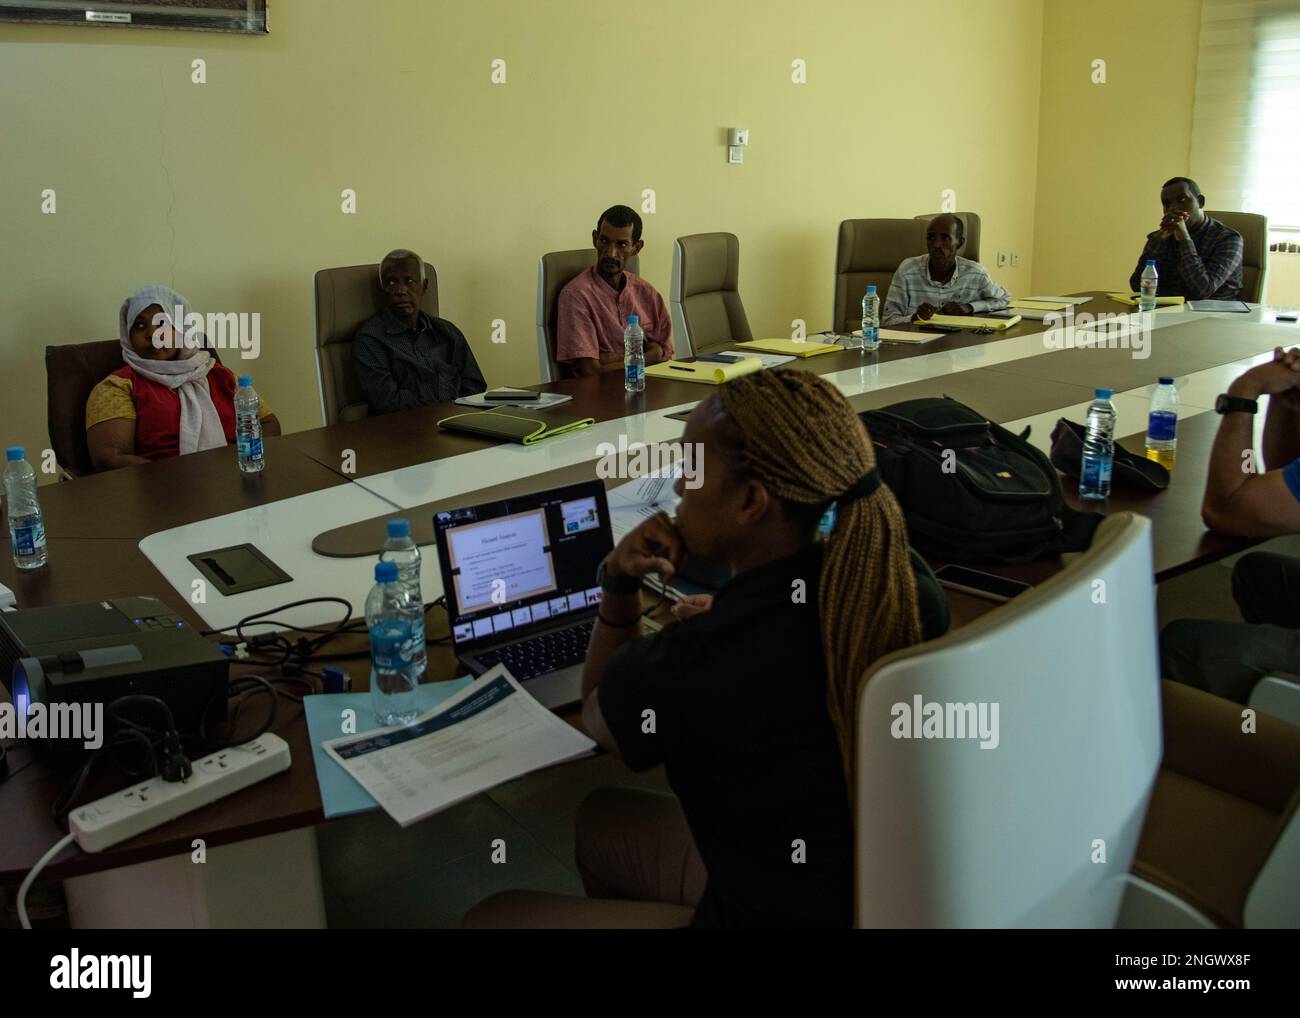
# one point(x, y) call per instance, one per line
point(941, 282)
point(1197, 257)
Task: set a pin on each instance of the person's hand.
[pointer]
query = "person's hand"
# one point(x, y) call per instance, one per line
point(1174, 226)
point(1291, 358)
point(953, 308)
point(925, 311)
point(692, 604)
point(654, 353)
point(653, 547)
point(1279, 377)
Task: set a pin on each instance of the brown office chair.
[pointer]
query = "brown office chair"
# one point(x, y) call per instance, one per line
point(71, 371)
point(869, 251)
point(554, 270)
point(704, 300)
point(345, 298)
point(1254, 255)
point(1221, 841)
point(970, 222)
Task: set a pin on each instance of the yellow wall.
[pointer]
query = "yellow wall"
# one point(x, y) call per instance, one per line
point(230, 190)
point(1105, 149)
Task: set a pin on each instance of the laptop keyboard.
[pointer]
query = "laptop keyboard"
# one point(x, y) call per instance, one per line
point(545, 652)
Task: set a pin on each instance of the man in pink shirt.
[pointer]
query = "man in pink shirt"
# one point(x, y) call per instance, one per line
point(594, 306)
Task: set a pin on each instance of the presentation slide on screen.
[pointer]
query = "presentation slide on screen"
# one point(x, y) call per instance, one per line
point(506, 556)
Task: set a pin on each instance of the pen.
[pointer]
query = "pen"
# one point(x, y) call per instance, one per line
point(678, 367)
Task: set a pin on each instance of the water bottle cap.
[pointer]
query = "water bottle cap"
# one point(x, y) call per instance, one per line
point(385, 572)
point(1166, 381)
point(1103, 393)
point(871, 288)
point(1151, 261)
point(15, 453)
point(633, 319)
point(245, 381)
point(399, 528)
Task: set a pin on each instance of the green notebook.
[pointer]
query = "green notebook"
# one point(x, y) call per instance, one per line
point(527, 427)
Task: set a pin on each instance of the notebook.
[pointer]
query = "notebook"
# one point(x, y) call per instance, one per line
point(970, 322)
point(528, 427)
point(1239, 307)
point(1132, 298)
point(791, 347)
point(708, 372)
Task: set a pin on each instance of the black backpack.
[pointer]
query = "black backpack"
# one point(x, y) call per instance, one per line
point(995, 498)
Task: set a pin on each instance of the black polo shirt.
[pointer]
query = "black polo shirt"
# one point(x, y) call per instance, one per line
point(739, 695)
point(399, 367)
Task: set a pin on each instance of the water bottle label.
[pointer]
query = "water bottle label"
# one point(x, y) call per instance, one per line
point(30, 539)
point(871, 334)
point(634, 373)
point(1161, 425)
point(250, 447)
point(1096, 472)
point(392, 645)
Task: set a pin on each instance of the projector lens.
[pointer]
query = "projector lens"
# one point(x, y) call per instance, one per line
point(28, 683)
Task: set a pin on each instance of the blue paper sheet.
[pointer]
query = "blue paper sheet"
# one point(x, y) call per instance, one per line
point(340, 794)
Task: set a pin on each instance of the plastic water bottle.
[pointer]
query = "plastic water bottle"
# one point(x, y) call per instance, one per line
point(403, 550)
point(1098, 447)
point(633, 355)
point(1162, 424)
point(392, 620)
point(1150, 283)
point(26, 524)
point(248, 427)
point(870, 319)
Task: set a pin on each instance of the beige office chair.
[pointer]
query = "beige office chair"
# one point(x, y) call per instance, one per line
point(1028, 817)
point(554, 270)
point(1254, 255)
point(869, 251)
point(703, 298)
point(1221, 842)
point(970, 222)
point(345, 298)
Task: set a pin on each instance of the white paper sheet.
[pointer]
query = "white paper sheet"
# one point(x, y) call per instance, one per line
point(491, 732)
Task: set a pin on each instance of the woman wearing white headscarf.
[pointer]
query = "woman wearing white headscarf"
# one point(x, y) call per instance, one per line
point(170, 397)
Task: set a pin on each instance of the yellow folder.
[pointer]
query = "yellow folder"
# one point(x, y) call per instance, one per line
point(1132, 298)
point(790, 347)
point(708, 372)
point(969, 322)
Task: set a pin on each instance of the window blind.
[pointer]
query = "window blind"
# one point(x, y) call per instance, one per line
point(1246, 122)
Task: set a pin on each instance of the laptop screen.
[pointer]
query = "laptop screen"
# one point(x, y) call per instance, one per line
point(524, 561)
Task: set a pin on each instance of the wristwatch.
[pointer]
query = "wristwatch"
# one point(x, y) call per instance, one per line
point(1226, 404)
point(617, 584)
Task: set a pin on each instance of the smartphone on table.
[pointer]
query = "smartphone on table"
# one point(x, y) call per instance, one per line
point(512, 395)
point(978, 584)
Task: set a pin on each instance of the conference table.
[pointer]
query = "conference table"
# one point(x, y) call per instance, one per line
point(318, 509)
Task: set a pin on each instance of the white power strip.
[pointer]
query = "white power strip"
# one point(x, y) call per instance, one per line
point(114, 818)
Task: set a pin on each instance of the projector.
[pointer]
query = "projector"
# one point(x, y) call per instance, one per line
point(96, 652)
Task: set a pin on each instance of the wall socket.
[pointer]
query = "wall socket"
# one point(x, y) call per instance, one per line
point(1015, 259)
point(1002, 259)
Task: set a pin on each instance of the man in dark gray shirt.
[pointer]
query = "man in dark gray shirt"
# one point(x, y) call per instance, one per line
point(405, 357)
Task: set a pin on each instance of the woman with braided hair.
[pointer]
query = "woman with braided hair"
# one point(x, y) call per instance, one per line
point(749, 704)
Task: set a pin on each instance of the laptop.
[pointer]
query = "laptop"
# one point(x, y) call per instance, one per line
point(520, 579)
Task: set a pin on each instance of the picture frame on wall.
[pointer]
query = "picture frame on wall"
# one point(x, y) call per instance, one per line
point(248, 17)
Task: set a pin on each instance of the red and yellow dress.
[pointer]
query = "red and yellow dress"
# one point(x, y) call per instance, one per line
point(156, 409)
